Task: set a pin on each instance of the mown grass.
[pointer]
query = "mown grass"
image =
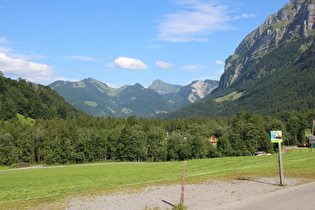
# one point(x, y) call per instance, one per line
point(4, 167)
point(50, 184)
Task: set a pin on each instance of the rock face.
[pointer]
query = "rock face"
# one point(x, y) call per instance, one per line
point(199, 89)
point(296, 18)
point(189, 93)
point(272, 70)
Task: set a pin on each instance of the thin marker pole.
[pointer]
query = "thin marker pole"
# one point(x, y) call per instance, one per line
point(183, 185)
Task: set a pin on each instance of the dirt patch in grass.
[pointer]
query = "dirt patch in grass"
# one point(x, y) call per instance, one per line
point(21, 165)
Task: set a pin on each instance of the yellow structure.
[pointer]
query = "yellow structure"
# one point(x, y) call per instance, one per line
point(213, 140)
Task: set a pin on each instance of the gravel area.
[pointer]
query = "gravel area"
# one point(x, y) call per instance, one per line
point(207, 195)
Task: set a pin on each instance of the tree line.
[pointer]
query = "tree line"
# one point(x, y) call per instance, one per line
point(83, 139)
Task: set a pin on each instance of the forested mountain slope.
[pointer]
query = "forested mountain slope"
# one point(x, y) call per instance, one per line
point(98, 99)
point(271, 71)
point(32, 100)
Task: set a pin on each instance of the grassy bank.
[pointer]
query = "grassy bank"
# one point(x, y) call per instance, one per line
point(47, 184)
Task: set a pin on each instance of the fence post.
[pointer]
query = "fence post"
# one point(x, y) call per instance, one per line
point(181, 203)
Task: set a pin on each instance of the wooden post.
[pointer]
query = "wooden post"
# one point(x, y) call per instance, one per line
point(312, 136)
point(181, 203)
point(313, 128)
point(280, 164)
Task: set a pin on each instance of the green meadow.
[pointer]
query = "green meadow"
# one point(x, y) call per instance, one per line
point(51, 183)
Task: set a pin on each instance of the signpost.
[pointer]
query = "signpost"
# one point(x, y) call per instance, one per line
point(276, 137)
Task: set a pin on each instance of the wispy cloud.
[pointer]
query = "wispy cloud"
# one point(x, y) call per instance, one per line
point(6, 50)
point(83, 58)
point(128, 63)
point(3, 40)
point(154, 47)
point(164, 65)
point(5, 47)
point(193, 21)
point(219, 62)
point(245, 16)
point(194, 68)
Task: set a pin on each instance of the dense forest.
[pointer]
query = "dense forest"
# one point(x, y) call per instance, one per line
point(87, 139)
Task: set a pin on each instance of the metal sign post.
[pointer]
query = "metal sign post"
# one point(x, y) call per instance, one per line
point(280, 164)
point(276, 137)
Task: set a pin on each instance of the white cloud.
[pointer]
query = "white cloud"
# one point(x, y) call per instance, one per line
point(219, 62)
point(128, 63)
point(194, 67)
point(193, 21)
point(112, 85)
point(164, 65)
point(244, 16)
point(82, 58)
point(16, 67)
point(65, 79)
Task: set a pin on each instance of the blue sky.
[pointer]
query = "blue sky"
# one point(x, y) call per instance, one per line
point(123, 42)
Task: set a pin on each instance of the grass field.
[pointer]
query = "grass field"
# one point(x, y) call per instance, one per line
point(4, 167)
point(230, 97)
point(47, 184)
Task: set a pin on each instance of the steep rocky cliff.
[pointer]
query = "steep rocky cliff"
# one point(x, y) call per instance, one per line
point(272, 71)
point(295, 19)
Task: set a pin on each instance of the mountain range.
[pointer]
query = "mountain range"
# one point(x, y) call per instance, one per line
point(98, 99)
point(271, 71)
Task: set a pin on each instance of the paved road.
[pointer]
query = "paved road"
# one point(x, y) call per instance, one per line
point(300, 197)
point(88, 164)
point(286, 149)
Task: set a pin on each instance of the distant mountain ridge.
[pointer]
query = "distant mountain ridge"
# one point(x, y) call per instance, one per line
point(98, 99)
point(164, 88)
point(271, 71)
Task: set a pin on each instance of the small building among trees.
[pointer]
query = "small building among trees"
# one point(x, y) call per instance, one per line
point(213, 140)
